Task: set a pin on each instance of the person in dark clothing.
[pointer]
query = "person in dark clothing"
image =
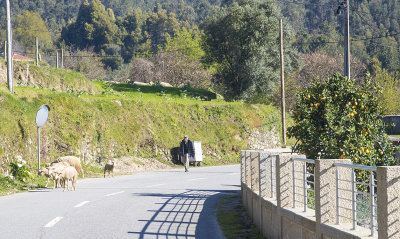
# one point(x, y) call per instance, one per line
point(186, 149)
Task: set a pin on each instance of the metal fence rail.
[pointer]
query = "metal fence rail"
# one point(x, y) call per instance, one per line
point(307, 179)
point(363, 200)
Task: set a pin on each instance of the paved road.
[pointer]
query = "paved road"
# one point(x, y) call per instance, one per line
point(162, 204)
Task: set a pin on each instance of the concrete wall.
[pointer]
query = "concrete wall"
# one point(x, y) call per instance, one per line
point(276, 216)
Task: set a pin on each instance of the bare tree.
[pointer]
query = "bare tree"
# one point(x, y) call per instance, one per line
point(86, 62)
point(179, 70)
point(173, 68)
point(316, 65)
point(142, 70)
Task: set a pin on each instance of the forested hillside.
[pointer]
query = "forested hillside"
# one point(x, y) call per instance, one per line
point(375, 24)
point(179, 41)
point(57, 13)
point(374, 28)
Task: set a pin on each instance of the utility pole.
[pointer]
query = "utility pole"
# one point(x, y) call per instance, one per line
point(282, 87)
point(10, 72)
point(5, 50)
point(57, 58)
point(347, 40)
point(37, 51)
point(62, 57)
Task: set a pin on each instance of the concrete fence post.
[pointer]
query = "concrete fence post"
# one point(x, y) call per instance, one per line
point(284, 179)
point(248, 181)
point(284, 196)
point(325, 191)
point(255, 162)
point(388, 198)
point(252, 195)
point(248, 169)
point(243, 174)
point(242, 166)
point(265, 175)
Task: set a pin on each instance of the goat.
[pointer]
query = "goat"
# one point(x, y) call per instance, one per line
point(109, 167)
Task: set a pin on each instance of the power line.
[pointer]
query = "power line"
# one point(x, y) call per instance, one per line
point(34, 30)
point(376, 29)
point(109, 56)
point(377, 37)
point(306, 3)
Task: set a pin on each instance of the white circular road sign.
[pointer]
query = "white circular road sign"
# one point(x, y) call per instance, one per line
point(42, 115)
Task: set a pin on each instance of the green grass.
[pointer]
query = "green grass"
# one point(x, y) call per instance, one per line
point(99, 121)
point(46, 77)
point(123, 123)
point(8, 186)
point(92, 169)
point(172, 92)
point(233, 219)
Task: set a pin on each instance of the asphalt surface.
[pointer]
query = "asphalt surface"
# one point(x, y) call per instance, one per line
point(161, 204)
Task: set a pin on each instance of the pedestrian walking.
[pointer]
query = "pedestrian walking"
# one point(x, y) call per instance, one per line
point(186, 150)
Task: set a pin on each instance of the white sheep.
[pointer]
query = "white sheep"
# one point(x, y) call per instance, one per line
point(73, 161)
point(69, 174)
point(109, 167)
point(45, 172)
point(52, 170)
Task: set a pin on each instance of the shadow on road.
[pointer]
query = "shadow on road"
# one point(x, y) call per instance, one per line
point(187, 215)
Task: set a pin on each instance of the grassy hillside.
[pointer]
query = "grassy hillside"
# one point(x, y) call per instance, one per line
point(46, 77)
point(123, 120)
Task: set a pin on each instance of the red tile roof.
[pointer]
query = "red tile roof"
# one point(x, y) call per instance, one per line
point(17, 57)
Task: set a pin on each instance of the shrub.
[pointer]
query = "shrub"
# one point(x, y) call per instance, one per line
point(390, 84)
point(20, 171)
point(337, 119)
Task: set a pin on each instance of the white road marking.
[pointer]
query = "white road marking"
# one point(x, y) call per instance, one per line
point(53, 222)
point(194, 179)
point(112, 194)
point(81, 204)
point(156, 185)
point(233, 174)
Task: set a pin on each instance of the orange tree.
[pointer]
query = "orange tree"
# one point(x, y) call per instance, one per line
point(339, 119)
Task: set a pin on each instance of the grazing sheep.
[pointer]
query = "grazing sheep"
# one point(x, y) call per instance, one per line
point(45, 172)
point(50, 172)
point(55, 170)
point(109, 167)
point(69, 174)
point(73, 161)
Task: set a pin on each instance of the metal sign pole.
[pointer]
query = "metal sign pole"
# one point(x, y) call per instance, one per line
point(38, 132)
point(41, 117)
